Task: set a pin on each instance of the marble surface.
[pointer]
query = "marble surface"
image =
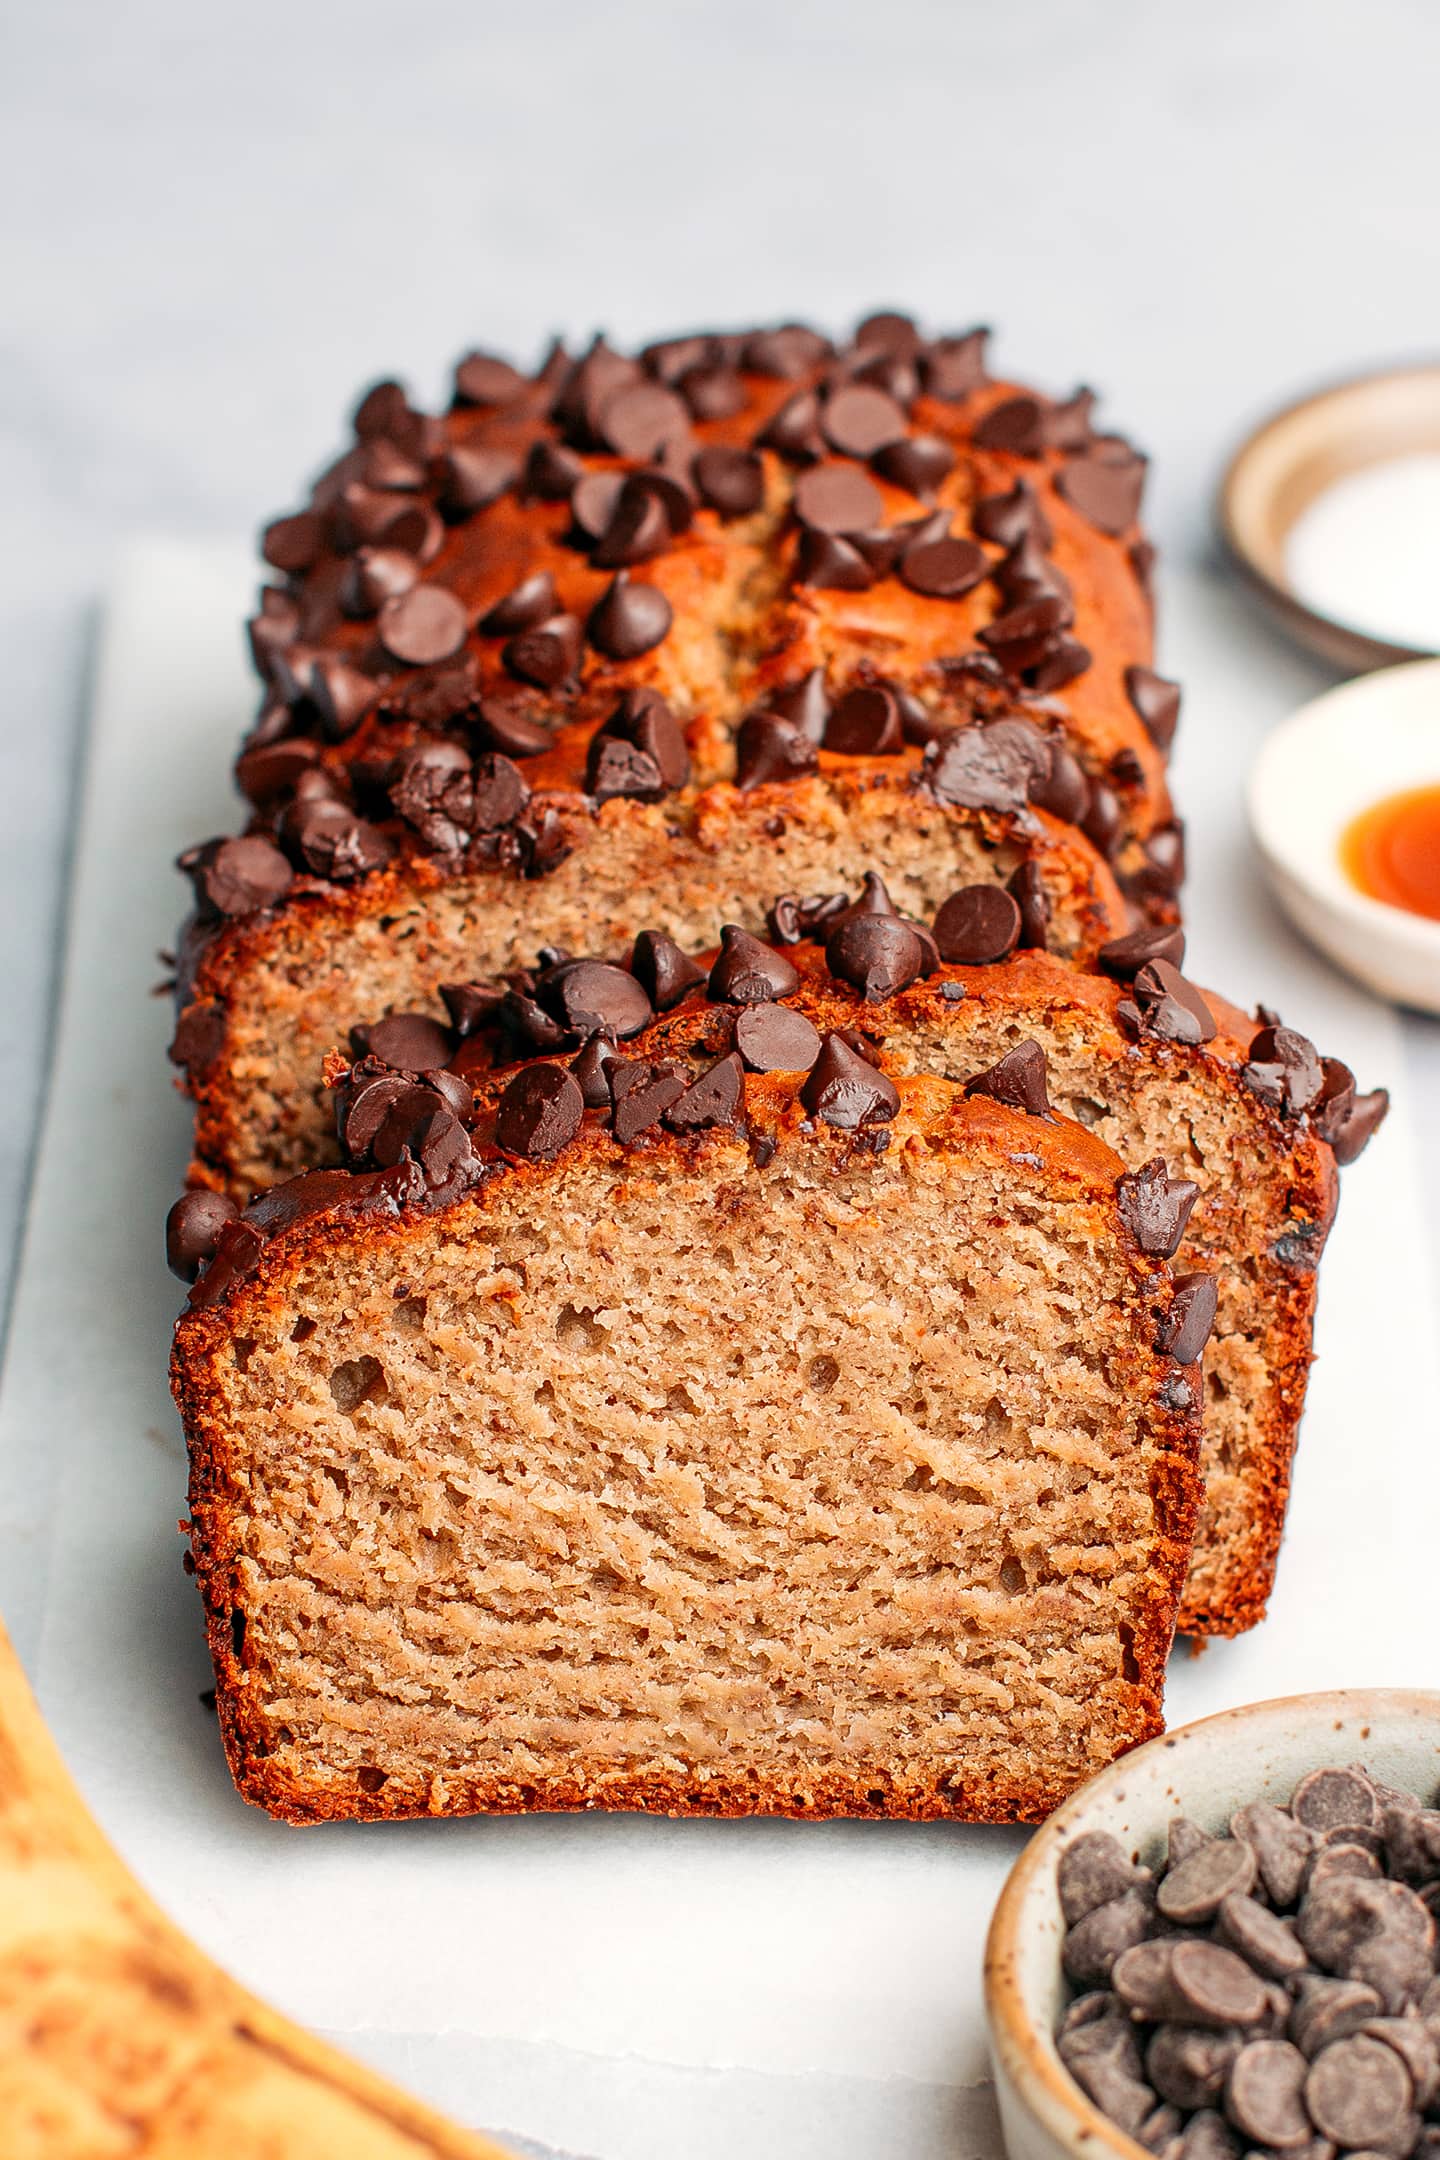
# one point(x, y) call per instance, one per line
point(228, 218)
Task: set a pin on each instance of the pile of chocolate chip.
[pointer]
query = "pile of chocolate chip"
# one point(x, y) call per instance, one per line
point(1269, 1991)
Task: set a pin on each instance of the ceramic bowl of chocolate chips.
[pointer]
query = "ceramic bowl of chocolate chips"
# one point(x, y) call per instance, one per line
point(1225, 1946)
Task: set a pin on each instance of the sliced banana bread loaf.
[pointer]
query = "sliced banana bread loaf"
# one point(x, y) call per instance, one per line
point(801, 1443)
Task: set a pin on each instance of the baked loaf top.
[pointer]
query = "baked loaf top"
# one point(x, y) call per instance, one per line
point(736, 557)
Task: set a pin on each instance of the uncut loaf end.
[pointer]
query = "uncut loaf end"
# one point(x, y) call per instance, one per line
point(793, 1444)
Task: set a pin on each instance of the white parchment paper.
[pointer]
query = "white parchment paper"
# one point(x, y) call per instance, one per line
point(617, 1987)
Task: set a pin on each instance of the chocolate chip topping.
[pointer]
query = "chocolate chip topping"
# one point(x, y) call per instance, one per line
point(193, 1229)
point(475, 476)
point(768, 748)
point(1284, 1070)
point(1105, 490)
point(1124, 957)
point(539, 1113)
point(831, 564)
point(593, 998)
point(1164, 1004)
point(238, 877)
point(513, 734)
point(977, 925)
point(409, 1042)
point(838, 499)
point(641, 1093)
point(628, 619)
point(865, 722)
point(879, 955)
point(547, 654)
point(774, 1038)
point(665, 973)
point(1017, 1079)
point(590, 1068)
point(846, 1091)
point(422, 626)
point(943, 569)
point(990, 767)
point(1156, 702)
point(857, 421)
point(714, 1099)
point(1016, 425)
point(730, 481)
point(1186, 1328)
point(749, 973)
point(483, 379)
point(528, 603)
point(1155, 1207)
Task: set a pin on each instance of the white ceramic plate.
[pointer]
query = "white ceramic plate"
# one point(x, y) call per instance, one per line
point(1333, 758)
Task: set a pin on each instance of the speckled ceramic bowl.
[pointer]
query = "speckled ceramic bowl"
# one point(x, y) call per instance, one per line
point(1204, 1771)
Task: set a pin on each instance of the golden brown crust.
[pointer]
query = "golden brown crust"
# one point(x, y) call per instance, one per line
point(1082, 1171)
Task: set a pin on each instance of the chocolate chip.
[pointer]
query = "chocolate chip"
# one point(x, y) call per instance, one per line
point(539, 1112)
point(749, 973)
point(943, 569)
point(638, 527)
point(432, 787)
point(500, 793)
point(375, 575)
point(1187, 2066)
point(628, 619)
point(775, 1038)
point(199, 1037)
point(590, 1068)
point(1103, 2057)
point(1093, 1945)
point(1104, 821)
point(474, 476)
point(482, 379)
point(804, 703)
point(410, 1042)
point(1026, 888)
point(1172, 1007)
point(769, 749)
point(793, 430)
point(789, 351)
point(731, 482)
point(1284, 1070)
point(1360, 2094)
point(865, 722)
point(1017, 1079)
point(713, 393)
point(641, 1093)
point(636, 420)
point(1186, 1327)
point(1215, 1987)
point(594, 998)
point(831, 564)
point(857, 420)
point(1012, 518)
point(644, 720)
point(838, 499)
point(240, 877)
point(1156, 702)
point(1016, 425)
point(991, 767)
point(1282, 1848)
point(1093, 1869)
point(526, 604)
point(878, 954)
point(1154, 1207)
point(551, 471)
point(793, 916)
point(977, 925)
point(1335, 1799)
point(340, 695)
point(192, 1231)
point(664, 972)
point(953, 367)
point(422, 626)
point(1124, 957)
point(470, 1005)
point(547, 654)
point(1106, 491)
point(918, 464)
point(1363, 1121)
point(513, 734)
point(1142, 1979)
point(714, 1099)
point(1263, 2094)
point(292, 544)
point(1267, 1943)
point(846, 1091)
point(1193, 1892)
point(335, 843)
point(593, 500)
point(615, 767)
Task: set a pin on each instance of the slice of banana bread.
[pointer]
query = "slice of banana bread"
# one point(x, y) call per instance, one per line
point(801, 1443)
point(746, 612)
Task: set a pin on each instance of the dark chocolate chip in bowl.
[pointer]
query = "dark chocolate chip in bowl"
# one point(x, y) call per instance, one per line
point(1193, 1892)
point(664, 972)
point(1093, 1944)
point(422, 626)
point(840, 499)
point(642, 1093)
point(774, 1038)
point(846, 1091)
point(1331, 1799)
point(746, 972)
point(540, 1111)
point(865, 722)
point(713, 1099)
point(1124, 957)
point(879, 955)
point(629, 618)
point(943, 569)
point(593, 998)
point(1142, 1979)
point(1187, 2065)
point(1282, 1848)
point(1103, 2057)
point(547, 653)
point(1264, 2094)
point(1156, 702)
point(1359, 2093)
point(978, 925)
point(410, 1042)
point(1155, 1207)
point(526, 604)
point(1093, 1869)
point(1017, 1079)
point(731, 482)
point(192, 1231)
point(1186, 1327)
point(1215, 1987)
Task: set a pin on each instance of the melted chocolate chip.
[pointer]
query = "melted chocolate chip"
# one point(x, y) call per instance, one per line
point(539, 1112)
point(665, 973)
point(1185, 1329)
point(978, 925)
point(991, 767)
point(1154, 1207)
point(846, 1090)
point(193, 1229)
point(1017, 1079)
point(335, 843)
point(1284, 1070)
point(747, 972)
point(471, 1005)
point(643, 722)
point(1172, 1007)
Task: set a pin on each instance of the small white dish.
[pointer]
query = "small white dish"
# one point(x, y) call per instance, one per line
point(1332, 759)
point(1205, 1771)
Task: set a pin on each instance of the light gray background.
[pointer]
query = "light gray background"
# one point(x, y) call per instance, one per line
point(222, 219)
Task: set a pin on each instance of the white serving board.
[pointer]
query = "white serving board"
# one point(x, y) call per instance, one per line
point(624, 1988)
